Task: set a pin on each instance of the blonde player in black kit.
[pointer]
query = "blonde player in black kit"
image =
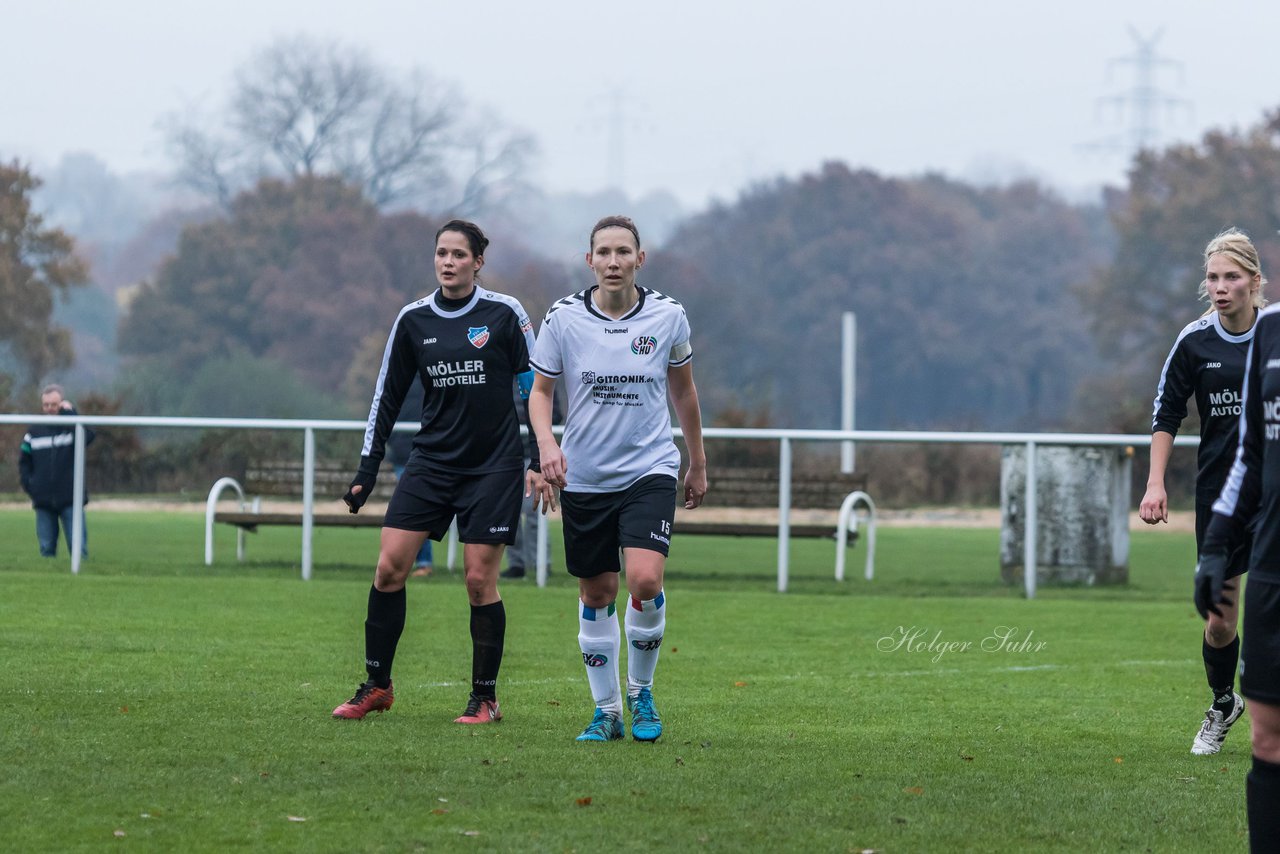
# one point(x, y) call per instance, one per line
point(622, 349)
point(1250, 503)
point(470, 346)
point(1207, 362)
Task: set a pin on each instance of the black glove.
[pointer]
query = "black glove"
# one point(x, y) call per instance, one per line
point(366, 483)
point(1211, 575)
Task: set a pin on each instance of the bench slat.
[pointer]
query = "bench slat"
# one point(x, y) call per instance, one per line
point(331, 520)
point(750, 529)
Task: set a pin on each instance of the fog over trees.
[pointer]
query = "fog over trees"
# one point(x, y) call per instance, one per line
point(323, 178)
point(303, 108)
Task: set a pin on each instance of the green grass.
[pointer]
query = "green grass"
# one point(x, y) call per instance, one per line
point(187, 707)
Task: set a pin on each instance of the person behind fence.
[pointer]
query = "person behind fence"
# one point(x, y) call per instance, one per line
point(1207, 362)
point(469, 345)
point(46, 469)
point(622, 348)
point(1248, 510)
point(399, 447)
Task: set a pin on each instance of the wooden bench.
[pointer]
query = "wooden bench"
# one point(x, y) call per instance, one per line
point(283, 479)
point(250, 521)
point(740, 487)
point(756, 487)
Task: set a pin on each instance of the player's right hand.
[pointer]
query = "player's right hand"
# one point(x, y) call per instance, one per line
point(1155, 506)
point(359, 491)
point(1211, 576)
point(554, 465)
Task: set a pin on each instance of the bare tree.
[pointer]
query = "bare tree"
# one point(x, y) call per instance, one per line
point(302, 108)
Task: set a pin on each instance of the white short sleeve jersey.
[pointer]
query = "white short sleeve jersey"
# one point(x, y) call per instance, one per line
point(618, 427)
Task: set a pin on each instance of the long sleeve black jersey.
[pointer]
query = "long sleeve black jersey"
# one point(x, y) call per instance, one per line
point(1252, 491)
point(1208, 362)
point(468, 360)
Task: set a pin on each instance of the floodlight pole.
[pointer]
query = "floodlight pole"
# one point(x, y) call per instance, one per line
point(849, 369)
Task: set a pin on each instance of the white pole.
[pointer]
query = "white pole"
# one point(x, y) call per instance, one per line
point(784, 512)
point(540, 550)
point(848, 402)
point(308, 497)
point(77, 501)
point(1029, 528)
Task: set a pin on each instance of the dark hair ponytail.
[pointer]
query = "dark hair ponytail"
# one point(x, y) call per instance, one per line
point(475, 237)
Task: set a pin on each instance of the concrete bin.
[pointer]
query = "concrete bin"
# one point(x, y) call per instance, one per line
point(1082, 530)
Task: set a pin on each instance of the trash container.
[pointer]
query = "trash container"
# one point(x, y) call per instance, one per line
point(1082, 513)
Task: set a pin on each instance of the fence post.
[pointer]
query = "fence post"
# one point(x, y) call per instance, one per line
point(77, 500)
point(308, 497)
point(1029, 535)
point(784, 512)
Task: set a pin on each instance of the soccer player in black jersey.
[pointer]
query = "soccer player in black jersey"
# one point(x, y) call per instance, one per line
point(1207, 361)
point(624, 351)
point(470, 347)
point(1250, 502)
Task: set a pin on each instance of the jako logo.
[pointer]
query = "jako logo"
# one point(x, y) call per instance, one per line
point(1212, 365)
point(499, 529)
point(594, 659)
point(478, 335)
point(647, 646)
point(644, 345)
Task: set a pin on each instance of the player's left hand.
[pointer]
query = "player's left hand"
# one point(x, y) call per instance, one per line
point(359, 491)
point(544, 494)
point(695, 486)
point(1211, 576)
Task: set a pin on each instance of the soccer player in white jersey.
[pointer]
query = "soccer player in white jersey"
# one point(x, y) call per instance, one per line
point(1207, 362)
point(622, 350)
point(470, 347)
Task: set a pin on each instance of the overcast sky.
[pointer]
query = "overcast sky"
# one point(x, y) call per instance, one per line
point(704, 96)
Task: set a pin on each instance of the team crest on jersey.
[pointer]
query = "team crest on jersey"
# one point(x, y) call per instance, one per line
point(478, 335)
point(643, 345)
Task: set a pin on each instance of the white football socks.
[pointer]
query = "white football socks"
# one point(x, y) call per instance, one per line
point(646, 621)
point(599, 640)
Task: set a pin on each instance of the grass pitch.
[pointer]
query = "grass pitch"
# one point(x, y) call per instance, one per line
point(154, 704)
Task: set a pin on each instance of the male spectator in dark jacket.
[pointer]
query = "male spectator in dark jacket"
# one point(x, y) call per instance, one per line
point(46, 466)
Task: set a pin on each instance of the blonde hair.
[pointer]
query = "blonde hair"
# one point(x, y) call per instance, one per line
point(1239, 249)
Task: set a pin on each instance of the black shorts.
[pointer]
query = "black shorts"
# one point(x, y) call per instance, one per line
point(598, 524)
point(487, 505)
point(1260, 642)
point(1238, 564)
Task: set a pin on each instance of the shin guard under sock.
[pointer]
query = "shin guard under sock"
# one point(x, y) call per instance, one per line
point(1262, 795)
point(1220, 665)
point(646, 622)
point(382, 629)
point(599, 640)
point(488, 633)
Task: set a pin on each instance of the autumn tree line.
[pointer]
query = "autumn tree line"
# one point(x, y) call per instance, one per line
point(979, 307)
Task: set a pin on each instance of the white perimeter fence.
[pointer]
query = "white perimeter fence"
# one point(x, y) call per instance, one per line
point(784, 438)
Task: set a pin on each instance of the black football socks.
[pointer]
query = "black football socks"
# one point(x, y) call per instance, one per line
point(1220, 667)
point(382, 629)
point(1262, 792)
point(488, 632)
